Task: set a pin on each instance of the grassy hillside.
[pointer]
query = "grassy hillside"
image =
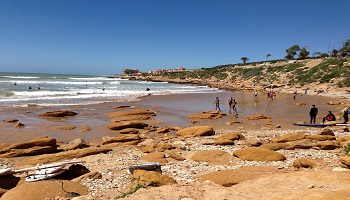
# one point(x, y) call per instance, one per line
point(332, 71)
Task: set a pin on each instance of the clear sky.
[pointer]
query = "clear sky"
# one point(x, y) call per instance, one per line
point(102, 37)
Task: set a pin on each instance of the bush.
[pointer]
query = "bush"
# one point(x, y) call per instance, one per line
point(347, 149)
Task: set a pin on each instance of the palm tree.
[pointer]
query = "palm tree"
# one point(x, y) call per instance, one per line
point(267, 57)
point(244, 59)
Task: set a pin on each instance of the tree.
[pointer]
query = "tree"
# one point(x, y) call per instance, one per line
point(345, 50)
point(292, 51)
point(244, 59)
point(334, 53)
point(304, 53)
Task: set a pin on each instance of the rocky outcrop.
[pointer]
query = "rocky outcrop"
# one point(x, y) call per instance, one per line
point(196, 131)
point(123, 139)
point(304, 163)
point(124, 125)
point(216, 157)
point(256, 117)
point(59, 113)
point(36, 146)
point(46, 189)
point(132, 112)
point(64, 127)
point(213, 114)
point(258, 154)
point(151, 178)
point(231, 177)
point(155, 157)
point(67, 155)
point(78, 143)
point(228, 138)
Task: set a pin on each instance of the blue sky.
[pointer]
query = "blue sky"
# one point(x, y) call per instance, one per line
point(103, 37)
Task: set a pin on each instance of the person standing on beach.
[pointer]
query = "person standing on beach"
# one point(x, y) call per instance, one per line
point(313, 113)
point(230, 101)
point(217, 104)
point(234, 105)
point(256, 93)
point(295, 95)
point(346, 115)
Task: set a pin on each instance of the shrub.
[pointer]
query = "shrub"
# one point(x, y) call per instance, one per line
point(347, 149)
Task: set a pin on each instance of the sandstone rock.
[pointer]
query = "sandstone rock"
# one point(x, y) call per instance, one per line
point(288, 137)
point(334, 102)
point(175, 154)
point(320, 137)
point(40, 141)
point(231, 177)
point(131, 113)
point(37, 150)
point(345, 160)
point(213, 114)
point(91, 175)
point(13, 120)
point(155, 157)
point(302, 144)
point(258, 154)
point(129, 131)
point(60, 113)
point(252, 142)
point(124, 125)
point(216, 157)
point(44, 189)
point(85, 129)
point(327, 132)
point(276, 146)
point(74, 144)
point(64, 127)
point(151, 178)
point(304, 163)
point(299, 103)
point(131, 118)
point(196, 131)
point(228, 138)
point(257, 117)
point(123, 106)
point(66, 155)
point(161, 147)
point(233, 122)
point(19, 125)
point(133, 138)
point(344, 140)
point(327, 145)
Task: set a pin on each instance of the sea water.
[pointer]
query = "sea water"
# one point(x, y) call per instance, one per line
point(23, 89)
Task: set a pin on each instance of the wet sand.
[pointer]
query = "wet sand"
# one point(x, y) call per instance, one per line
point(172, 110)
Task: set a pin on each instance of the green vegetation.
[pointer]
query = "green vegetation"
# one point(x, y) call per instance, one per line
point(132, 190)
point(347, 149)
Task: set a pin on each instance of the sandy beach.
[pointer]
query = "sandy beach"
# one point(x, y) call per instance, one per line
point(91, 124)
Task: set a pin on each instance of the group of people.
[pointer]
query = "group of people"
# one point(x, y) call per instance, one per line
point(271, 95)
point(231, 102)
point(329, 117)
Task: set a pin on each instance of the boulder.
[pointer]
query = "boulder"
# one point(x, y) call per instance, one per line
point(59, 113)
point(320, 137)
point(74, 144)
point(252, 142)
point(327, 132)
point(175, 154)
point(131, 112)
point(327, 145)
point(196, 131)
point(231, 177)
point(288, 137)
point(155, 157)
point(13, 120)
point(160, 147)
point(257, 117)
point(276, 146)
point(233, 122)
point(124, 125)
point(304, 163)
point(131, 118)
point(40, 141)
point(334, 102)
point(64, 127)
point(258, 154)
point(228, 138)
point(46, 189)
point(216, 157)
point(37, 150)
point(299, 103)
point(66, 155)
point(129, 131)
point(345, 160)
point(151, 178)
point(213, 114)
point(129, 139)
point(344, 140)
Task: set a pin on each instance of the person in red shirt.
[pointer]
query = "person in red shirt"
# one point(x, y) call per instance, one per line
point(329, 117)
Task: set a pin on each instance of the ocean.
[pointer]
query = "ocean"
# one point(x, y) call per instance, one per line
point(24, 89)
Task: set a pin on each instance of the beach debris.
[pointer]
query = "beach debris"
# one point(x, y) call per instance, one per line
point(152, 166)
